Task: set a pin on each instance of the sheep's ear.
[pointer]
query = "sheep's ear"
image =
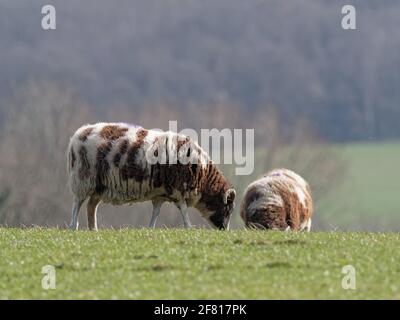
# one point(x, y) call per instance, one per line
point(229, 196)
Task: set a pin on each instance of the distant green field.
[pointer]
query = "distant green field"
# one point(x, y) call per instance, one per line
point(369, 196)
point(197, 264)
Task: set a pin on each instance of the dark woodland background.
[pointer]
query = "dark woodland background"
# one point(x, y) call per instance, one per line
point(285, 68)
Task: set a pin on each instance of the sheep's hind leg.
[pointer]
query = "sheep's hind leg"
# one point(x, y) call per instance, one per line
point(75, 214)
point(156, 211)
point(184, 211)
point(91, 209)
point(308, 226)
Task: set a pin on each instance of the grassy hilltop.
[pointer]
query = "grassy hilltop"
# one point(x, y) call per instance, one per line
point(197, 264)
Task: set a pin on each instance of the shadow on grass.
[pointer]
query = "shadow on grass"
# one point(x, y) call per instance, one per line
point(279, 264)
point(290, 242)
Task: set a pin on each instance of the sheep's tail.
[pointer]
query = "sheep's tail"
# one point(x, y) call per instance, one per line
point(71, 159)
point(72, 164)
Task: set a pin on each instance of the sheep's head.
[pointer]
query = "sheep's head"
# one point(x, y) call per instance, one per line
point(268, 217)
point(217, 208)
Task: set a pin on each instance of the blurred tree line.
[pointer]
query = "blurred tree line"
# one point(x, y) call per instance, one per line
point(292, 54)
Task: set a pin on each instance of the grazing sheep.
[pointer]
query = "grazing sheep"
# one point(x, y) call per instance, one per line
point(280, 200)
point(109, 163)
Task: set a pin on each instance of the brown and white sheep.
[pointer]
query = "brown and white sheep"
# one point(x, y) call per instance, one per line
point(120, 164)
point(280, 200)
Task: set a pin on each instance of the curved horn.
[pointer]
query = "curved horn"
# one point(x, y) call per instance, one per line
point(229, 196)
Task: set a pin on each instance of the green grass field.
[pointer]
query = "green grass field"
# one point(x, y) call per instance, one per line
point(240, 264)
point(369, 196)
point(197, 264)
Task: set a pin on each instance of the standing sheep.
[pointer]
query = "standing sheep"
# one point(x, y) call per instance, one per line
point(120, 164)
point(280, 200)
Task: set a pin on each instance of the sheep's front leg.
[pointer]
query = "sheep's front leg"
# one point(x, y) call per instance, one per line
point(185, 215)
point(156, 212)
point(92, 212)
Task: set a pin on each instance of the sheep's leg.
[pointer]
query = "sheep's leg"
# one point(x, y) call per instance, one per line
point(91, 209)
point(185, 215)
point(75, 213)
point(156, 211)
point(308, 225)
point(294, 218)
